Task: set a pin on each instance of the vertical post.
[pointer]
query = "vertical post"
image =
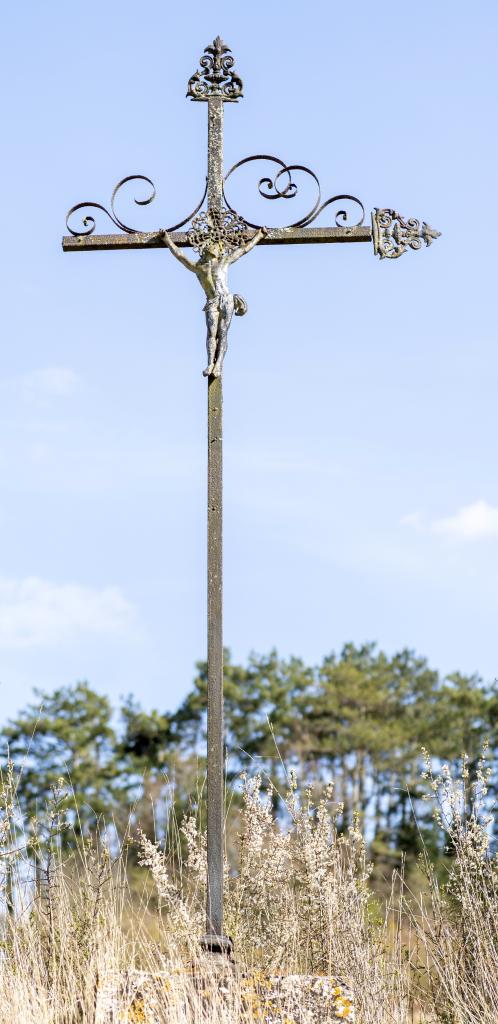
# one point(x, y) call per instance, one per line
point(215, 940)
point(215, 153)
point(215, 730)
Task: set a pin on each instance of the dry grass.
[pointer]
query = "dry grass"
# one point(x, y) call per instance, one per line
point(297, 901)
point(456, 920)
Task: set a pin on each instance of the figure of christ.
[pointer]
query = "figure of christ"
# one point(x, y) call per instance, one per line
point(211, 270)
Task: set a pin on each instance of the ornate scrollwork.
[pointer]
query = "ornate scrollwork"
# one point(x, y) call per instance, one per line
point(393, 235)
point(222, 229)
point(215, 76)
point(282, 186)
point(88, 221)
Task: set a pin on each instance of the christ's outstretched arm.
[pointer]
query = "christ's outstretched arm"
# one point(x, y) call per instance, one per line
point(243, 249)
point(189, 264)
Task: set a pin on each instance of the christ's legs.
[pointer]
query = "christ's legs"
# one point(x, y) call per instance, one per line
point(212, 321)
point(225, 319)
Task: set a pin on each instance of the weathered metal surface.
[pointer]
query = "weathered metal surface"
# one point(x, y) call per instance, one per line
point(216, 76)
point(215, 153)
point(215, 730)
point(393, 235)
point(312, 236)
point(154, 239)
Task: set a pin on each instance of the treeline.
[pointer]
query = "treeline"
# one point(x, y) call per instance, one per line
point(359, 720)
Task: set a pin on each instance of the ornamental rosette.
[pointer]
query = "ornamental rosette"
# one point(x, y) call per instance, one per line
point(222, 230)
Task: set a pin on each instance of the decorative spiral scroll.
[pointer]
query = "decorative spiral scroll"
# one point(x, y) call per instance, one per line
point(282, 186)
point(88, 221)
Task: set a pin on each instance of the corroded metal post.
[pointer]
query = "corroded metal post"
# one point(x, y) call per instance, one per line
point(215, 153)
point(215, 729)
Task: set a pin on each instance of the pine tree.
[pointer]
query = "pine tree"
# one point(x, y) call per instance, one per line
point(67, 734)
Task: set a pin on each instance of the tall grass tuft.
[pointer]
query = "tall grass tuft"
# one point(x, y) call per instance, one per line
point(456, 919)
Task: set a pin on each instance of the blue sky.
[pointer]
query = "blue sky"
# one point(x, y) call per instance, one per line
point(361, 490)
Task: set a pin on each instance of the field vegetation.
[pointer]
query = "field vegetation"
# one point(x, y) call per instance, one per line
point(352, 853)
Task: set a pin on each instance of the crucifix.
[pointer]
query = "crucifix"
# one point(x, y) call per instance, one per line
point(219, 235)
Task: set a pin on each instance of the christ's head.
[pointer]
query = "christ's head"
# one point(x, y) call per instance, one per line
point(212, 249)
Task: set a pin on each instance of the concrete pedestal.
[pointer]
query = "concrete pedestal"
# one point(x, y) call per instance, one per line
point(214, 991)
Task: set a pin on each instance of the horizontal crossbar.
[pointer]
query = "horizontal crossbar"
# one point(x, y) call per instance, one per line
point(151, 240)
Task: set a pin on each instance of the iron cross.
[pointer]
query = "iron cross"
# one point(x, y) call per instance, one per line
point(220, 236)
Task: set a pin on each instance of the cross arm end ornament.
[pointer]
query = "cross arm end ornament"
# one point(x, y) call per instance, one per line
point(393, 234)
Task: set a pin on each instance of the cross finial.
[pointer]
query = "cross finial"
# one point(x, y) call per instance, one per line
point(215, 76)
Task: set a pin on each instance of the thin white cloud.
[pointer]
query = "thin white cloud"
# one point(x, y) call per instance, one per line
point(472, 522)
point(51, 382)
point(413, 519)
point(39, 613)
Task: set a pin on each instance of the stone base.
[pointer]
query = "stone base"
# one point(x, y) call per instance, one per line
point(217, 992)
